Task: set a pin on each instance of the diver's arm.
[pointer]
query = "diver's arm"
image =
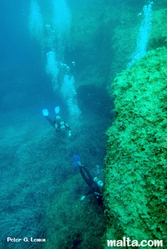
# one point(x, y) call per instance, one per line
point(67, 126)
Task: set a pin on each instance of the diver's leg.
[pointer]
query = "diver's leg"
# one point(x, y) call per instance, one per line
point(87, 177)
point(50, 121)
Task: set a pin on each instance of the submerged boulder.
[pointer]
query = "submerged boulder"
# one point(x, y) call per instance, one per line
point(135, 191)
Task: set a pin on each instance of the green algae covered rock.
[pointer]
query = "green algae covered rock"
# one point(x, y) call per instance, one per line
point(135, 192)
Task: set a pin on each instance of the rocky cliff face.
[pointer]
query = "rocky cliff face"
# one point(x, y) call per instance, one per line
point(136, 163)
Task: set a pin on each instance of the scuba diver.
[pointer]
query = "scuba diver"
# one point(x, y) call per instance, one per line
point(58, 123)
point(94, 183)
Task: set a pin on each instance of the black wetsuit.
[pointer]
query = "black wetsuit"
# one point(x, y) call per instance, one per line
point(94, 187)
point(54, 122)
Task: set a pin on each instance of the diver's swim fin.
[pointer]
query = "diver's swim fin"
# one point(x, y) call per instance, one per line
point(75, 164)
point(77, 161)
point(57, 109)
point(45, 112)
point(76, 158)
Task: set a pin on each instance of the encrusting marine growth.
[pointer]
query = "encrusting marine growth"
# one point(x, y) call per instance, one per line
point(135, 190)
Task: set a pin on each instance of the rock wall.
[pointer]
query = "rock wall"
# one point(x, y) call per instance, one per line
point(135, 189)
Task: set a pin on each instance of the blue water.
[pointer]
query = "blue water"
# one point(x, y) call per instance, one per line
point(35, 162)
